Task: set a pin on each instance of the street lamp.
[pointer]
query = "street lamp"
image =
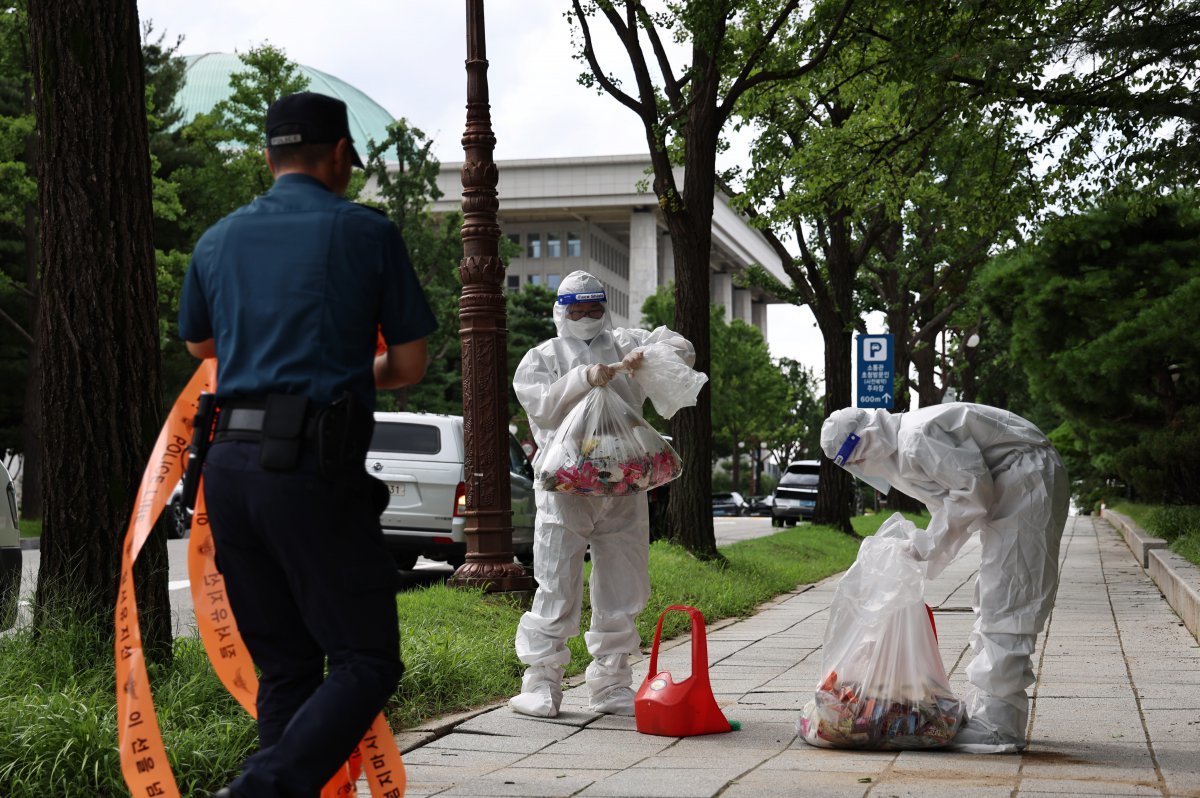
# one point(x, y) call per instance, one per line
point(482, 317)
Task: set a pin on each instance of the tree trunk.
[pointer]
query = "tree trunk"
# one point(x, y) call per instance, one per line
point(689, 222)
point(835, 497)
point(690, 506)
point(98, 326)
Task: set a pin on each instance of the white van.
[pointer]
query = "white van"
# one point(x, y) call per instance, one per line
point(10, 553)
point(419, 456)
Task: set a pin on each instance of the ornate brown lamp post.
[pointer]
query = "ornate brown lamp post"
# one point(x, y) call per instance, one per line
point(482, 328)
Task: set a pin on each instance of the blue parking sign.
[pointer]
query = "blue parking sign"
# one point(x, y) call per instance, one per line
point(876, 368)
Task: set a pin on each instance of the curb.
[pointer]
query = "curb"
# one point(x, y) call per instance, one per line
point(1177, 579)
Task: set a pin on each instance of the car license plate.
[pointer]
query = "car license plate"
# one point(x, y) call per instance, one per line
point(806, 504)
point(396, 488)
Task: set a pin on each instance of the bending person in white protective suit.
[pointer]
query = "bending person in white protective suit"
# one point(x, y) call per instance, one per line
point(551, 379)
point(975, 468)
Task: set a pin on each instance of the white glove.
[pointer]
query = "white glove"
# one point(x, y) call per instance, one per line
point(633, 361)
point(599, 375)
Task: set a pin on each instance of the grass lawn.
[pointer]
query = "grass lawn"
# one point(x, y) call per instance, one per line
point(58, 705)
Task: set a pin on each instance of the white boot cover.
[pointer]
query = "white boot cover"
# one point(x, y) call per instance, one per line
point(617, 701)
point(541, 692)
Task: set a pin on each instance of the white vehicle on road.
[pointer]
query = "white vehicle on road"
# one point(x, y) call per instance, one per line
point(420, 457)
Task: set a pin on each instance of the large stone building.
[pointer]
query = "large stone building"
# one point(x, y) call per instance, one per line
point(599, 214)
point(594, 213)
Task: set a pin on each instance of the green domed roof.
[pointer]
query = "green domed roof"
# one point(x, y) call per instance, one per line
point(206, 83)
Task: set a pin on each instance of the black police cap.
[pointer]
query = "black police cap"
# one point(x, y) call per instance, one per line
point(309, 118)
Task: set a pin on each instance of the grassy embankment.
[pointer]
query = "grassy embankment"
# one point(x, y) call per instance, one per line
point(1179, 525)
point(58, 706)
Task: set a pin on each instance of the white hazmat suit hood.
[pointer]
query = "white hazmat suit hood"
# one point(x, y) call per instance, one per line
point(579, 287)
point(549, 382)
point(866, 438)
point(977, 469)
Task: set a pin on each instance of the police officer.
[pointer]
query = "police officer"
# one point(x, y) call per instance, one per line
point(288, 294)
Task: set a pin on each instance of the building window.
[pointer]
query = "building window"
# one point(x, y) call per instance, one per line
point(514, 282)
point(535, 279)
point(534, 249)
point(574, 248)
point(552, 280)
point(515, 238)
point(553, 245)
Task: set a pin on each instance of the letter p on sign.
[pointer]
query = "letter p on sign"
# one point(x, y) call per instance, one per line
point(875, 349)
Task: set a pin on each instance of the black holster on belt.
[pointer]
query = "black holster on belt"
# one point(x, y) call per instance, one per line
point(283, 428)
point(202, 427)
point(343, 436)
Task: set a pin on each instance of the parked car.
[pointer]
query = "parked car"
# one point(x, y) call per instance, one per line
point(728, 504)
point(10, 553)
point(419, 456)
point(759, 505)
point(795, 497)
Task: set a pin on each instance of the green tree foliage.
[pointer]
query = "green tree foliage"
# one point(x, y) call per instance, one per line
point(750, 395)
point(685, 109)
point(18, 277)
point(796, 435)
point(218, 162)
point(838, 156)
point(1110, 84)
point(1102, 311)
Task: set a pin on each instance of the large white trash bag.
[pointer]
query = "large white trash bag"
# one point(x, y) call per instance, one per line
point(669, 383)
point(604, 448)
point(883, 683)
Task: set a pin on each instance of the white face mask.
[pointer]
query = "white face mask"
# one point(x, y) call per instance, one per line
point(585, 328)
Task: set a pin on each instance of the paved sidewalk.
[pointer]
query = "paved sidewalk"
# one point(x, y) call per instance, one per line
point(1116, 708)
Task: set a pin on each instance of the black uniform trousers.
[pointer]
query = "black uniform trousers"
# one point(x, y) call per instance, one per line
point(310, 582)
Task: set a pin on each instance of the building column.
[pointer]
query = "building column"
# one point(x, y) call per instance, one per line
point(758, 317)
point(741, 304)
point(666, 260)
point(721, 291)
point(643, 261)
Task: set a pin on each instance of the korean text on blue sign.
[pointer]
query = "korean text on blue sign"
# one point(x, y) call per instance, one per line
point(876, 369)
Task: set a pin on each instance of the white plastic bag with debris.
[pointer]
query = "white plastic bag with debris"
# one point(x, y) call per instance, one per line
point(883, 684)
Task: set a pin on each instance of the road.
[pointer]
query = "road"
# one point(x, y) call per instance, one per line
point(427, 572)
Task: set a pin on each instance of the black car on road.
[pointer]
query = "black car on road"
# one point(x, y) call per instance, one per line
point(759, 505)
point(795, 497)
point(729, 504)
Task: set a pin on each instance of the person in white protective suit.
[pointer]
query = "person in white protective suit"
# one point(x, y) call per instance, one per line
point(550, 380)
point(976, 468)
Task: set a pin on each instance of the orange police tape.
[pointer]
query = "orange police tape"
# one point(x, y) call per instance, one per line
point(143, 756)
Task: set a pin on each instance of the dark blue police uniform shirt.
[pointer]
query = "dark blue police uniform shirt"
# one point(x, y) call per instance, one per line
point(292, 287)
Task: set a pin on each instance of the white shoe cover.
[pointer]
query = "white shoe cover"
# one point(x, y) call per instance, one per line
point(538, 704)
point(617, 701)
point(975, 738)
point(541, 692)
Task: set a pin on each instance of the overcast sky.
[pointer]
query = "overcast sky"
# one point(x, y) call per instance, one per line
point(408, 56)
